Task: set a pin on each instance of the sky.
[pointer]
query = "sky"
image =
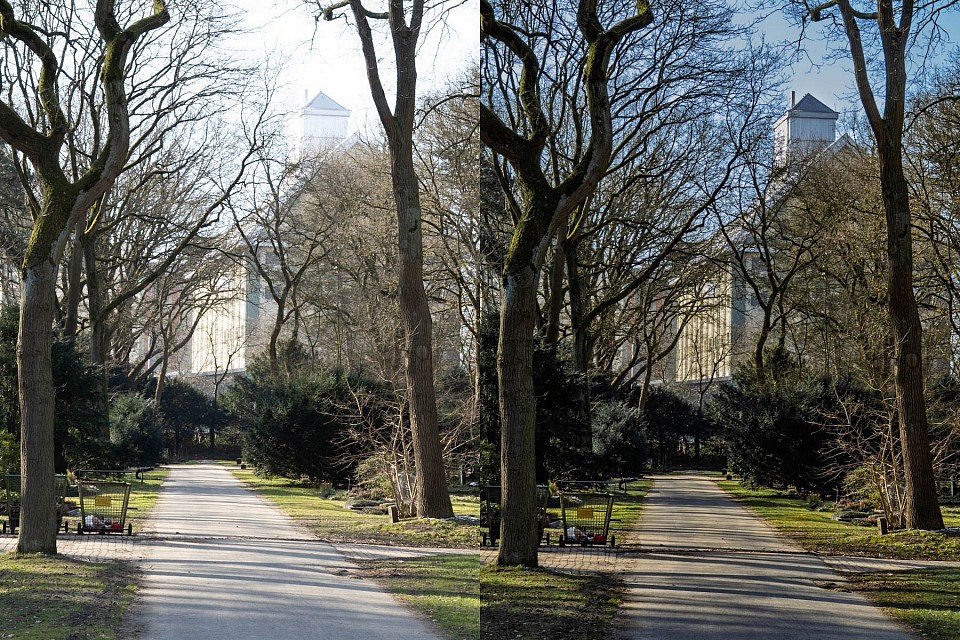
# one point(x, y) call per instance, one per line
point(831, 80)
point(326, 56)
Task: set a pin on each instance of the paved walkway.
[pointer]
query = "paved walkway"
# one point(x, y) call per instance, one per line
point(221, 563)
point(226, 564)
point(701, 567)
point(714, 570)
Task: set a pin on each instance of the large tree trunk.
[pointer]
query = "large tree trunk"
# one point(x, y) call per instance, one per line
point(432, 498)
point(518, 413)
point(922, 510)
point(38, 526)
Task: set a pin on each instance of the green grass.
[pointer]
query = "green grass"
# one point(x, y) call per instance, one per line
point(322, 511)
point(54, 598)
point(445, 588)
point(143, 495)
point(815, 530)
point(928, 601)
point(531, 604)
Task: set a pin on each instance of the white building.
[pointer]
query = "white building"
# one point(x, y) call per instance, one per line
point(322, 124)
point(809, 126)
point(718, 336)
point(234, 330)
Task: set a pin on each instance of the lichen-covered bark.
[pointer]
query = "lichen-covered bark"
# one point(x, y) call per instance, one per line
point(544, 208)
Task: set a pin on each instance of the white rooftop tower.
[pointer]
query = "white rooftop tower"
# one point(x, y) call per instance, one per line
point(807, 127)
point(322, 124)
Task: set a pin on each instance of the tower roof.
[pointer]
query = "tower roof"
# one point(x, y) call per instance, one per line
point(323, 102)
point(811, 105)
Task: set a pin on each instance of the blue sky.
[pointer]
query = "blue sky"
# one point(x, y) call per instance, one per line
point(326, 57)
point(832, 80)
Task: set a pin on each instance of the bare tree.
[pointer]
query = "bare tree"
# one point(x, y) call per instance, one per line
point(545, 207)
point(432, 497)
point(284, 234)
point(897, 26)
point(568, 95)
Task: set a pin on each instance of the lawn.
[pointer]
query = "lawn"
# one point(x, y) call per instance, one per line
point(322, 511)
point(143, 496)
point(816, 531)
point(445, 588)
point(627, 509)
point(928, 601)
point(54, 598)
point(531, 604)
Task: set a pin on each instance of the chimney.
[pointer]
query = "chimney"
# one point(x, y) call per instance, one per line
point(793, 99)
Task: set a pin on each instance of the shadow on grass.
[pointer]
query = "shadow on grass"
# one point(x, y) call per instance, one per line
point(445, 588)
point(534, 603)
point(927, 600)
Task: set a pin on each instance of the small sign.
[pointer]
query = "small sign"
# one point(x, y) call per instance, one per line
point(103, 501)
point(585, 512)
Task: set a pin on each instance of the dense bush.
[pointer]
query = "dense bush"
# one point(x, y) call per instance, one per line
point(774, 431)
point(135, 429)
point(294, 420)
point(563, 451)
point(618, 441)
point(9, 453)
point(185, 413)
point(489, 398)
point(674, 430)
point(79, 416)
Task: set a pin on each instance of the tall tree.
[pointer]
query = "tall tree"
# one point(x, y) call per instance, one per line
point(68, 194)
point(405, 21)
point(545, 206)
point(283, 233)
point(894, 24)
point(566, 99)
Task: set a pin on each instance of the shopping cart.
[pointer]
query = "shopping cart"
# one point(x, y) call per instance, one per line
point(11, 504)
point(490, 496)
point(586, 518)
point(103, 507)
